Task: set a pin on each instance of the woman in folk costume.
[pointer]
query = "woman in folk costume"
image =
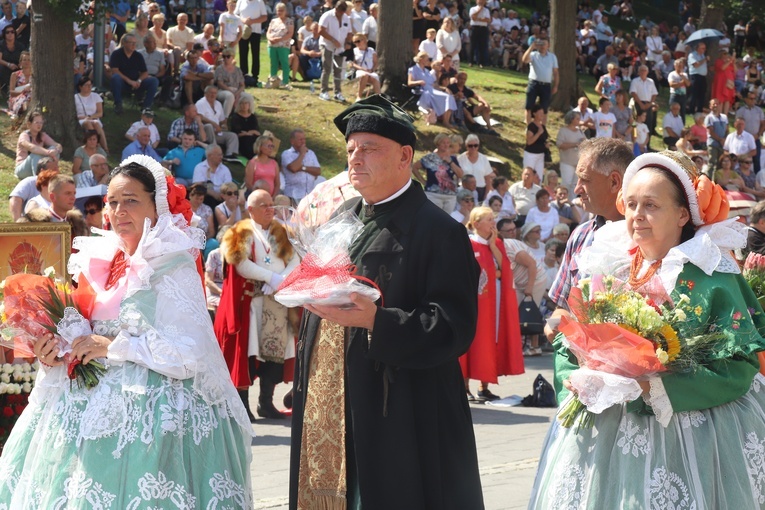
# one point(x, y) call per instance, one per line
point(695, 438)
point(163, 426)
point(252, 328)
point(496, 349)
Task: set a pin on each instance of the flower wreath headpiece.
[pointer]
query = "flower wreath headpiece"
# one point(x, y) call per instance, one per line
point(169, 197)
point(706, 200)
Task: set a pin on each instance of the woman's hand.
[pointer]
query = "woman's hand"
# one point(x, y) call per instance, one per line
point(90, 347)
point(567, 384)
point(46, 350)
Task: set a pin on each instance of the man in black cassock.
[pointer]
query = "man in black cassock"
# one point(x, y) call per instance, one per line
point(380, 418)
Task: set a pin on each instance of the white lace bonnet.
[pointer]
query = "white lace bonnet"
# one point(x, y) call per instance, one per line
point(158, 172)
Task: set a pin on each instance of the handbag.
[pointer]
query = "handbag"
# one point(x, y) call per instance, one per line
point(542, 394)
point(530, 318)
point(314, 69)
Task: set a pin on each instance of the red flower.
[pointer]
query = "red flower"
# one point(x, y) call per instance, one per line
point(176, 199)
point(70, 368)
point(7, 411)
point(19, 409)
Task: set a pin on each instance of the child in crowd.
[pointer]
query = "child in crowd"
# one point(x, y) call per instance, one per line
point(429, 44)
point(641, 135)
point(604, 119)
point(231, 26)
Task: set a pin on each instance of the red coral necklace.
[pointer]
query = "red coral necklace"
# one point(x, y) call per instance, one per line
point(637, 264)
point(117, 269)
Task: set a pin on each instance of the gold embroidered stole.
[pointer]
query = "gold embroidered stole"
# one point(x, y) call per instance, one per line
point(273, 337)
point(322, 477)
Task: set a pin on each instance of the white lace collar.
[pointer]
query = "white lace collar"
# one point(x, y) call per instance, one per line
point(479, 239)
point(709, 250)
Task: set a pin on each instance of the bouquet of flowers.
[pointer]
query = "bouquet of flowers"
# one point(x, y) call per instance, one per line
point(621, 337)
point(35, 305)
point(325, 275)
point(16, 382)
point(754, 274)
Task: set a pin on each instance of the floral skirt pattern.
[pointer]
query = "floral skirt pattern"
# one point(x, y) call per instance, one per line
point(704, 460)
point(109, 448)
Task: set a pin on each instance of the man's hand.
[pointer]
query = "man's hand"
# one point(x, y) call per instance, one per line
point(359, 314)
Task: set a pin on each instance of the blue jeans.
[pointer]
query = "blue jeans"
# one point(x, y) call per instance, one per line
point(148, 87)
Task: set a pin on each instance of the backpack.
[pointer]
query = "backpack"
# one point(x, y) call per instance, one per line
point(543, 394)
point(314, 69)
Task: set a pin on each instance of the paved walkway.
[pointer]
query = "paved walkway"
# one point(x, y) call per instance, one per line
point(509, 442)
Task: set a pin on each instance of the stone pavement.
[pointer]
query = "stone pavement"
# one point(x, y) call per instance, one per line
point(509, 443)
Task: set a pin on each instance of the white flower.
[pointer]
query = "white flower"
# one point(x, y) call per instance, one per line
point(36, 364)
point(26, 387)
point(5, 378)
point(3, 388)
point(33, 376)
point(50, 272)
point(680, 314)
point(684, 299)
point(14, 389)
point(662, 355)
point(2, 285)
point(7, 368)
point(26, 367)
point(583, 282)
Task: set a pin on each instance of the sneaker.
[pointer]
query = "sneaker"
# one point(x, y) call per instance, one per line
point(118, 109)
point(339, 97)
point(487, 395)
point(324, 96)
point(287, 87)
point(535, 351)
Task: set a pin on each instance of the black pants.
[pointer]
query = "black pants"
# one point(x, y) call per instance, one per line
point(245, 46)
point(479, 45)
point(698, 93)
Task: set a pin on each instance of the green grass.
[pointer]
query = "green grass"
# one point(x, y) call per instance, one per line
point(504, 90)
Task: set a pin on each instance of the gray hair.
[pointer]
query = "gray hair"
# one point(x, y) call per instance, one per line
point(210, 148)
point(570, 116)
point(606, 155)
point(210, 87)
point(472, 137)
point(561, 228)
point(95, 159)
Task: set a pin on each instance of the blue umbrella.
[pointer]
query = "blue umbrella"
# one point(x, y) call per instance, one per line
point(703, 35)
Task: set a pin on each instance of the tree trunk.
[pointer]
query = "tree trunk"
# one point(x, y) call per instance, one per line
point(53, 73)
point(712, 16)
point(563, 45)
point(394, 46)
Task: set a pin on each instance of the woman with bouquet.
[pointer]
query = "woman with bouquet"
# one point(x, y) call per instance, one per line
point(163, 426)
point(496, 349)
point(695, 437)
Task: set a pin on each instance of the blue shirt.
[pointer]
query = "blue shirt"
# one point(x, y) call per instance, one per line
point(693, 58)
point(135, 148)
point(120, 8)
point(189, 159)
point(201, 67)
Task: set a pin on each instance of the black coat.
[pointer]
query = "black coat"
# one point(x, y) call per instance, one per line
point(421, 454)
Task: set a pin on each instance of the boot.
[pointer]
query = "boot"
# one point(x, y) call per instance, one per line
point(287, 401)
point(266, 407)
point(245, 396)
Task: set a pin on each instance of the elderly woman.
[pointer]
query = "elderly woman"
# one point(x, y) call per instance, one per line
point(568, 140)
point(448, 41)
point(279, 36)
point(365, 64)
point(476, 164)
point(166, 387)
point(609, 83)
point(441, 173)
point(244, 124)
point(34, 144)
point(496, 349)
point(230, 82)
point(90, 109)
point(674, 248)
point(531, 234)
point(536, 142)
point(263, 166)
point(465, 204)
point(432, 97)
point(20, 89)
point(89, 147)
point(543, 214)
point(233, 208)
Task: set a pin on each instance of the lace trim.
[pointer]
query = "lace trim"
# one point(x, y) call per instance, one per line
point(658, 399)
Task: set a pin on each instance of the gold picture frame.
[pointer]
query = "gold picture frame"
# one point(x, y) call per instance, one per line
point(33, 247)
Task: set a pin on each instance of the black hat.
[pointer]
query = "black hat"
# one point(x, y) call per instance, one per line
point(379, 116)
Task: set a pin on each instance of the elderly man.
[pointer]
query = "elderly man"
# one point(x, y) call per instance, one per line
point(602, 162)
point(182, 160)
point(697, 69)
point(129, 74)
point(62, 193)
point(212, 173)
point(141, 145)
point(147, 121)
point(755, 121)
point(212, 113)
point(643, 93)
point(196, 75)
point(524, 193)
point(156, 66)
point(586, 116)
point(673, 126)
point(717, 129)
point(365, 369)
point(190, 120)
point(180, 38)
point(739, 142)
point(601, 65)
point(370, 25)
point(300, 167)
point(335, 30)
point(98, 173)
point(543, 75)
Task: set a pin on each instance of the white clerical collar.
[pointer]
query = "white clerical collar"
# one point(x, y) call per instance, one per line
point(393, 196)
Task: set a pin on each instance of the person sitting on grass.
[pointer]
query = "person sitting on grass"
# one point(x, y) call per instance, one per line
point(473, 104)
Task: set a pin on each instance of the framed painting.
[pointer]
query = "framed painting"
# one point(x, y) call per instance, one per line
point(33, 247)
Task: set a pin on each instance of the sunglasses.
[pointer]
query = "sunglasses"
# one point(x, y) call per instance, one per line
point(228, 56)
point(472, 145)
point(229, 193)
point(745, 162)
point(91, 212)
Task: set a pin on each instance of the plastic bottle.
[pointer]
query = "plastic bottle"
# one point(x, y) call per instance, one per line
point(313, 87)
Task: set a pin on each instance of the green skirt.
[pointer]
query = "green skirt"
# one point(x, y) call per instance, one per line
point(115, 448)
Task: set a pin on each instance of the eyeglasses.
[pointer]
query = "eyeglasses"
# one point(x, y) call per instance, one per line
point(91, 212)
point(745, 162)
point(472, 145)
point(507, 230)
point(228, 193)
point(468, 200)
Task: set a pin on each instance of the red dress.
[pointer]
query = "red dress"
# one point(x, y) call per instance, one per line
point(720, 90)
point(497, 348)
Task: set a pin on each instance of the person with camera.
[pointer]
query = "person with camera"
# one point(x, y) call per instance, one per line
point(543, 75)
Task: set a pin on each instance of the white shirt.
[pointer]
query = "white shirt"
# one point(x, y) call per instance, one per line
point(299, 184)
point(546, 220)
point(524, 198)
point(430, 48)
point(251, 9)
point(229, 27)
point(135, 126)
point(604, 124)
point(655, 46)
point(451, 43)
point(480, 169)
point(484, 13)
point(338, 29)
point(739, 144)
point(645, 89)
point(180, 38)
point(357, 20)
point(86, 106)
point(370, 29)
point(674, 123)
point(507, 202)
point(214, 112)
point(221, 175)
point(26, 189)
point(508, 24)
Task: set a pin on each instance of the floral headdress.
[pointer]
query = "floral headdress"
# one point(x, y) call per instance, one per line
point(706, 200)
point(169, 197)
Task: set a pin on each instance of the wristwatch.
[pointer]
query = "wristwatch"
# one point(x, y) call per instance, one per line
point(303, 168)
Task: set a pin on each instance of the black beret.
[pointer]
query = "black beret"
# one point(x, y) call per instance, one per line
point(379, 116)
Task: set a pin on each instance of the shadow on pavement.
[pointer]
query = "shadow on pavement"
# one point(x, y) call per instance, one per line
point(270, 440)
point(486, 415)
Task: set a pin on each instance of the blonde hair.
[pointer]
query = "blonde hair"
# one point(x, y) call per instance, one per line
point(420, 55)
point(477, 214)
point(228, 186)
point(267, 135)
point(548, 174)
